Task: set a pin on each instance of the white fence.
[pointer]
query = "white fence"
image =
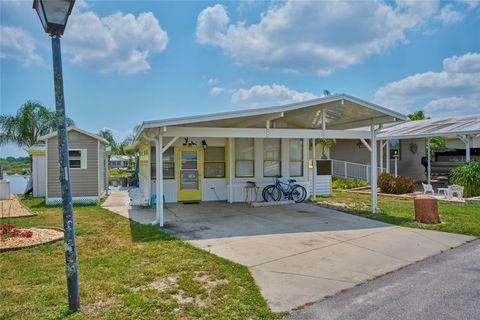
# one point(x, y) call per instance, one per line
point(351, 170)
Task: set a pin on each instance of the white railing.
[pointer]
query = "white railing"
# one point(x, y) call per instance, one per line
point(351, 170)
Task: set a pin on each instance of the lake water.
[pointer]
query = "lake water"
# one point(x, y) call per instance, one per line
point(18, 183)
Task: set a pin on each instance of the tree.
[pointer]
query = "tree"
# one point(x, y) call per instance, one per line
point(417, 115)
point(32, 121)
point(435, 142)
point(326, 144)
point(108, 135)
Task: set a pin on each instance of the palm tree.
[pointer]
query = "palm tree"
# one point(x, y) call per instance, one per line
point(32, 121)
point(107, 134)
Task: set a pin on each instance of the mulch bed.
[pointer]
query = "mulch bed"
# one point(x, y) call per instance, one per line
point(40, 236)
point(13, 208)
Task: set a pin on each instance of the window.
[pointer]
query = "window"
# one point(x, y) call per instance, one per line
point(77, 158)
point(296, 157)
point(395, 148)
point(271, 157)
point(244, 157)
point(168, 164)
point(214, 162)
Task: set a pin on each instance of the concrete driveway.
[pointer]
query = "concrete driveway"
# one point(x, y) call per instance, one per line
point(302, 253)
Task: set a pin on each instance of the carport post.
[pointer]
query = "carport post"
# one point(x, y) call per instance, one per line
point(374, 168)
point(159, 178)
point(314, 160)
point(230, 176)
point(387, 155)
point(467, 148)
point(381, 156)
point(429, 165)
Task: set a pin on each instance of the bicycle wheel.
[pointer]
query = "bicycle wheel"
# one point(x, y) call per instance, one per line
point(271, 193)
point(298, 194)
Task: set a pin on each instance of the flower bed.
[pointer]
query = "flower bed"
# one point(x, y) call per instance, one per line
point(12, 238)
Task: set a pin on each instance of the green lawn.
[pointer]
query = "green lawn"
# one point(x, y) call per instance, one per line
point(118, 173)
point(456, 217)
point(126, 271)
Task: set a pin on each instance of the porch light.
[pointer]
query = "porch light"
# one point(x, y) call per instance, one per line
point(204, 145)
point(53, 14)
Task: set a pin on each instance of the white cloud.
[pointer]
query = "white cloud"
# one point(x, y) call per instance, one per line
point(17, 44)
point(313, 36)
point(212, 81)
point(452, 91)
point(266, 95)
point(216, 91)
point(120, 43)
point(449, 15)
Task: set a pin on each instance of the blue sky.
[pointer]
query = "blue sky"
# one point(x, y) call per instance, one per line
point(129, 61)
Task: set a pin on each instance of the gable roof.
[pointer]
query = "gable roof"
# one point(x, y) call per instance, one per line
point(54, 134)
point(443, 127)
point(342, 112)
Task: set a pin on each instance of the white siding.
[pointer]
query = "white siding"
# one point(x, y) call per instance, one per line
point(38, 175)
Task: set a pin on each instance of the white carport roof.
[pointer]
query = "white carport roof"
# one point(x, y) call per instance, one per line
point(342, 112)
point(444, 127)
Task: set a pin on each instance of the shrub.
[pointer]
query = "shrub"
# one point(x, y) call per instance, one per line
point(467, 176)
point(399, 185)
point(344, 184)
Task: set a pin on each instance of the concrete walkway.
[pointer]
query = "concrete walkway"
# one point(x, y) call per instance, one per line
point(299, 253)
point(118, 202)
point(443, 287)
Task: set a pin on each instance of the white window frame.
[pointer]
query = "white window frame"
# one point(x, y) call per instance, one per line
point(266, 158)
point(83, 158)
point(237, 160)
point(290, 157)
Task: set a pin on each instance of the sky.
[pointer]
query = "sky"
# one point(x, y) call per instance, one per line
point(129, 61)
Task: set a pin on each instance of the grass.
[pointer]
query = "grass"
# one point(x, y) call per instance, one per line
point(344, 184)
point(456, 217)
point(119, 173)
point(126, 271)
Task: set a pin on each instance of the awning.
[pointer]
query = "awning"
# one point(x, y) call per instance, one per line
point(445, 127)
point(341, 112)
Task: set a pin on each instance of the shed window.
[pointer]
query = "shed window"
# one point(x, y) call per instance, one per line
point(77, 158)
point(214, 162)
point(296, 157)
point(271, 157)
point(244, 157)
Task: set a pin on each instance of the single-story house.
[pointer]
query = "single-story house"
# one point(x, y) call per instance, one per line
point(88, 167)
point(212, 157)
point(120, 161)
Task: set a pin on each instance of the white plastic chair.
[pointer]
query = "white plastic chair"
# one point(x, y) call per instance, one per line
point(427, 188)
point(455, 189)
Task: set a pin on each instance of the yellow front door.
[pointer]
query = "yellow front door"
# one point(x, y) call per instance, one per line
point(189, 174)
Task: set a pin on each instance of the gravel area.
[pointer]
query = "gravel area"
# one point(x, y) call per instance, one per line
point(40, 236)
point(14, 208)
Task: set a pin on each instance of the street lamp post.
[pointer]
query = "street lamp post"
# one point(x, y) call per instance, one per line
point(53, 15)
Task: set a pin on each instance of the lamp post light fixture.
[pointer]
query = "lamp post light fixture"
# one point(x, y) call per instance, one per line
point(53, 15)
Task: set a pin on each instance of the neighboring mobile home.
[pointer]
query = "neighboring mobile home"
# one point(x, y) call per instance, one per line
point(88, 167)
point(120, 161)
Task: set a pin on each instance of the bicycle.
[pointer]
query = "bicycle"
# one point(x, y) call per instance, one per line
point(292, 191)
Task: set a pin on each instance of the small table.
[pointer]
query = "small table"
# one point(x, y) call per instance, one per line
point(444, 191)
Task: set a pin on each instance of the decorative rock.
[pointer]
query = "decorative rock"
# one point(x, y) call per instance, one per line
point(426, 209)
